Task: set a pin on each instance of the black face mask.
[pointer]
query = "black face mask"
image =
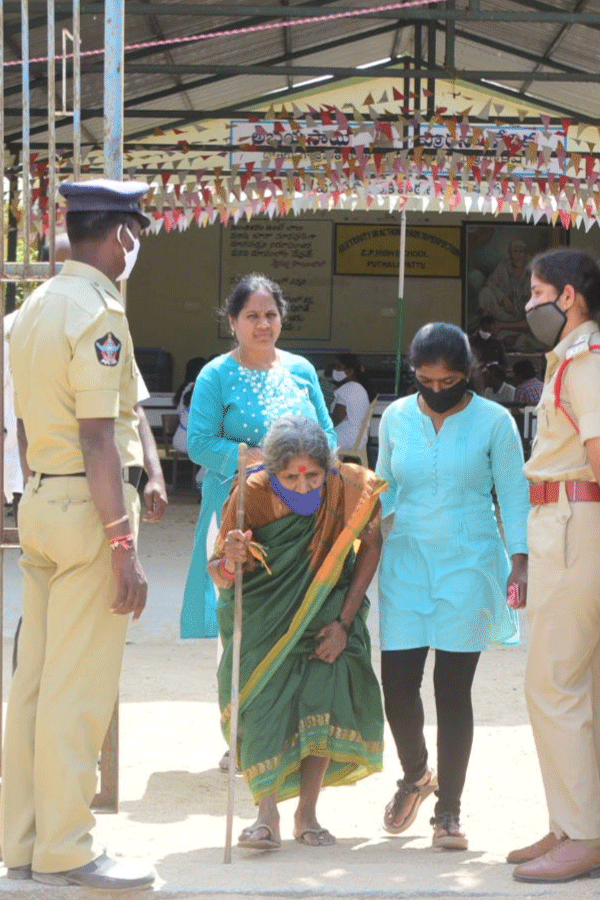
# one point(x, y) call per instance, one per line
point(442, 401)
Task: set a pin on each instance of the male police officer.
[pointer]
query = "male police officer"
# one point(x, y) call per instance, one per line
point(84, 441)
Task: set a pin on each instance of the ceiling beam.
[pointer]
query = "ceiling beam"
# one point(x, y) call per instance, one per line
point(542, 12)
point(208, 115)
point(157, 30)
point(150, 52)
point(503, 47)
point(544, 8)
point(387, 71)
point(165, 93)
point(552, 45)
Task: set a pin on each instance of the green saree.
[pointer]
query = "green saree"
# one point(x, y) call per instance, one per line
point(292, 706)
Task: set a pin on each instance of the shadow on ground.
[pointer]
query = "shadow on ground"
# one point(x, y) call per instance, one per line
point(175, 796)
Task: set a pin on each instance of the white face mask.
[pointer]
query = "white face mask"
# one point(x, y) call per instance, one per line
point(130, 255)
point(338, 375)
point(485, 334)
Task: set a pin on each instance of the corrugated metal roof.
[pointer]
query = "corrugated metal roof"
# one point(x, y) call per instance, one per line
point(211, 81)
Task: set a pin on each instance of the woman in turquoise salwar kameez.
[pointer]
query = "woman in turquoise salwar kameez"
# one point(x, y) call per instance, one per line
point(445, 567)
point(237, 397)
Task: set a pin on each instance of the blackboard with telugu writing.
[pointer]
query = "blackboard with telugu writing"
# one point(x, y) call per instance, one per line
point(296, 253)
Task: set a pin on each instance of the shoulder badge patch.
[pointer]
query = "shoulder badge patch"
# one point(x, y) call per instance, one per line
point(108, 349)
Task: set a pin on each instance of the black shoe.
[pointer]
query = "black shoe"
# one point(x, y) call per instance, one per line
point(103, 874)
point(19, 873)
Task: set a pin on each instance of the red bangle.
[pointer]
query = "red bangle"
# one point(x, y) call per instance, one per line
point(225, 573)
point(125, 541)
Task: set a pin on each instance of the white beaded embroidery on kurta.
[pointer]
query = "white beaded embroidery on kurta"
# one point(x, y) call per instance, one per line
point(273, 390)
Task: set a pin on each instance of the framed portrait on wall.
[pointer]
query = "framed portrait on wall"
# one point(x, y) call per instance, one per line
point(497, 278)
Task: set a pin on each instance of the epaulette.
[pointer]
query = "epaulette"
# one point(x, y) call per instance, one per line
point(108, 301)
point(582, 345)
point(70, 287)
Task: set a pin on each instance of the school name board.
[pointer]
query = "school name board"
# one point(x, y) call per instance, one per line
point(294, 253)
point(431, 252)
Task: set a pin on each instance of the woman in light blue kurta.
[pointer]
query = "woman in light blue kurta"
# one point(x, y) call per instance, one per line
point(445, 568)
point(237, 397)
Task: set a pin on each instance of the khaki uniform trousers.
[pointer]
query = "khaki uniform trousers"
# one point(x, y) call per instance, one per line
point(562, 680)
point(66, 681)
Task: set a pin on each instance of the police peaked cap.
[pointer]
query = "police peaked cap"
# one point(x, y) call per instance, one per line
point(104, 195)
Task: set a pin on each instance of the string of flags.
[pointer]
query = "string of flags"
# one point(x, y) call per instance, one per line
point(380, 156)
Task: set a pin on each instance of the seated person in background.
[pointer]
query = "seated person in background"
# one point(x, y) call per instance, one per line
point(182, 399)
point(496, 386)
point(529, 387)
point(485, 345)
point(327, 389)
point(351, 400)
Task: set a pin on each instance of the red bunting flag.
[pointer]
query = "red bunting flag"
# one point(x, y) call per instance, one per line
point(386, 129)
point(565, 218)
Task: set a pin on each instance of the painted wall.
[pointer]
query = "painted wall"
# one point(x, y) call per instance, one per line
point(175, 290)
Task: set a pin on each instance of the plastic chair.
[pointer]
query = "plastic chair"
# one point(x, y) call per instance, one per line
point(357, 451)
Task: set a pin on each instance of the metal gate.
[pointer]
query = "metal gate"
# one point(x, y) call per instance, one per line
point(20, 248)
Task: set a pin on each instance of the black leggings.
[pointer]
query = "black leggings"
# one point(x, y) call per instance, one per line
point(402, 675)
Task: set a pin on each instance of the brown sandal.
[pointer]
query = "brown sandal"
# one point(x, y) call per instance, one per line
point(405, 803)
point(447, 833)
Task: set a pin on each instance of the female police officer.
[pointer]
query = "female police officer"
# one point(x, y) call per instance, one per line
point(563, 603)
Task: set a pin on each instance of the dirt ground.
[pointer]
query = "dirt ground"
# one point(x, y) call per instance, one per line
point(173, 798)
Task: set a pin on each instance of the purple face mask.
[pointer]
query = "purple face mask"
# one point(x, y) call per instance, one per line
point(301, 504)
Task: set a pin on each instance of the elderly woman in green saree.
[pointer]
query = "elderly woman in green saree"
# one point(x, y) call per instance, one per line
point(310, 712)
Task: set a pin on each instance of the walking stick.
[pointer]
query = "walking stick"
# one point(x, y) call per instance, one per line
point(235, 663)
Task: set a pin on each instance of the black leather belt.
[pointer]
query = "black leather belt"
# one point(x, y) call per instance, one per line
point(60, 475)
point(131, 475)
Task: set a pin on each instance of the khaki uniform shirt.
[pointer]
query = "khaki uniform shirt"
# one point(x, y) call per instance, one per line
point(558, 452)
point(72, 358)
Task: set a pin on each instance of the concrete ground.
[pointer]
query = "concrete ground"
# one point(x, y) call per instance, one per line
point(173, 798)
